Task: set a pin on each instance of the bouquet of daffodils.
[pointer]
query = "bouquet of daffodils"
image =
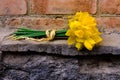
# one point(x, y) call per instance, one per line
point(82, 32)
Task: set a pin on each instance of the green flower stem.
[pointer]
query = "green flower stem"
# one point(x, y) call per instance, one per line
point(26, 32)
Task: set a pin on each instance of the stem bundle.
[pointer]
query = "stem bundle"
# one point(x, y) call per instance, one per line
point(26, 32)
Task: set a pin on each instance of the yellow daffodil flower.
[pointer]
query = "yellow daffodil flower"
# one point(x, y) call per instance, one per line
point(83, 31)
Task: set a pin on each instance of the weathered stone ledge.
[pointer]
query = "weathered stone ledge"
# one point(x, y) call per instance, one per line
point(55, 47)
point(21, 64)
point(109, 45)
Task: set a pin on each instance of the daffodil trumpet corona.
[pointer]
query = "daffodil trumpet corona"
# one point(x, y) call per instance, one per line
point(82, 32)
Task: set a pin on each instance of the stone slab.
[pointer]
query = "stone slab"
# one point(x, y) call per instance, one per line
point(109, 45)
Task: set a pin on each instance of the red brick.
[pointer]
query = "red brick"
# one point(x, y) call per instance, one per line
point(110, 6)
point(109, 22)
point(13, 7)
point(62, 6)
point(36, 23)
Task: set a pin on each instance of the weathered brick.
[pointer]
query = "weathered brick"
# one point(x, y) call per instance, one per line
point(109, 22)
point(110, 6)
point(36, 23)
point(13, 7)
point(62, 6)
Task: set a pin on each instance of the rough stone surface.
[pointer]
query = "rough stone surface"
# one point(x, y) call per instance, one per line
point(13, 7)
point(15, 75)
point(36, 23)
point(110, 6)
point(59, 6)
point(109, 45)
point(48, 67)
point(2, 67)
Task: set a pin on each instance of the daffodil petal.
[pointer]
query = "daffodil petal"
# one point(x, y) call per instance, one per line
point(97, 39)
point(80, 40)
point(79, 33)
point(74, 25)
point(88, 45)
point(68, 33)
point(91, 41)
point(71, 40)
point(79, 46)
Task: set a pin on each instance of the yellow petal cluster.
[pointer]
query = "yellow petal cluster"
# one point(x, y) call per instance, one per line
point(82, 31)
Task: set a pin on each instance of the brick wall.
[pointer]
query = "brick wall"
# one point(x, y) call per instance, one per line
point(44, 14)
